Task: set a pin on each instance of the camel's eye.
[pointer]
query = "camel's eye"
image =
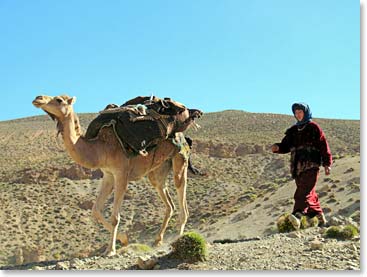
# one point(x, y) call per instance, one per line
point(59, 100)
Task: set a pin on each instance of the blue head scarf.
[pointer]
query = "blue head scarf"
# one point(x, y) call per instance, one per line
point(306, 109)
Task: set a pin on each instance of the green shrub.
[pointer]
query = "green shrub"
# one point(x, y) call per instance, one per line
point(333, 232)
point(347, 232)
point(190, 247)
point(284, 225)
point(307, 222)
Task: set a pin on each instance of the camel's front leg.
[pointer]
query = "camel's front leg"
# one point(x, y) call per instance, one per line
point(119, 192)
point(180, 178)
point(105, 191)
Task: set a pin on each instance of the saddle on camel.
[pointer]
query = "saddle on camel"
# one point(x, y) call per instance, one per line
point(140, 123)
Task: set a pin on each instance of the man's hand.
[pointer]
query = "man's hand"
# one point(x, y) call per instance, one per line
point(327, 170)
point(274, 148)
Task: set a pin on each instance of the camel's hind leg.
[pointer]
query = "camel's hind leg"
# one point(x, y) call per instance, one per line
point(158, 179)
point(105, 191)
point(180, 178)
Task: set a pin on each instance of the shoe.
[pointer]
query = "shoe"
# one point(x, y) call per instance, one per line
point(296, 223)
point(298, 215)
point(322, 220)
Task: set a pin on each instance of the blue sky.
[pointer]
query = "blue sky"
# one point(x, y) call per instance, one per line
point(257, 56)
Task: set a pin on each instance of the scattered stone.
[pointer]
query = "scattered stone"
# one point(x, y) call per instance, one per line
point(324, 189)
point(334, 221)
point(19, 259)
point(294, 235)
point(86, 204)
point(32, 254)
point(76, 263)
point(37, 268)
point(326, 210)
point(62, 265)
point(147, 263)
point(316, 245)
point(349, 170)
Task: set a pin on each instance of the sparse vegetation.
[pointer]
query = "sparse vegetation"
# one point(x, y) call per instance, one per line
point(307, 222)
point(140, 248)
point(284, 225)
point(190, 247)
point(339, 232)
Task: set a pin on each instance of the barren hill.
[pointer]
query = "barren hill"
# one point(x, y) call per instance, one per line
point(45, 199)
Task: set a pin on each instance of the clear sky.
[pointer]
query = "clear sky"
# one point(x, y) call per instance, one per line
point(251, 55)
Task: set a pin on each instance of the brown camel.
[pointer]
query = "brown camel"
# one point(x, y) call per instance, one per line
point(118, 168)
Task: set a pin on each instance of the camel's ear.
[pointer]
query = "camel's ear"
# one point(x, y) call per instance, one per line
point(71, 100)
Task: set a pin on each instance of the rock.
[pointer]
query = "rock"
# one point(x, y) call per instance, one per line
point(316, 245)
point(76, 172)
point(201, 147)
point(335, 221)
point(352, 246)
point(31, 255)
point(147, 263)
point(86, 204)
point(243, 150)
point(353, 268)
point(38, 268)
point(97, 174)
point(31, 176)
point(259, 149)
point(294, 235)
point(76, 263)
point(19, 259)
point(222, 150)
point(324, 188)
point(62, 265)
point(357, 238)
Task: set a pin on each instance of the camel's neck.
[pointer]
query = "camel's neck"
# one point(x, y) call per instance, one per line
point(80, 150)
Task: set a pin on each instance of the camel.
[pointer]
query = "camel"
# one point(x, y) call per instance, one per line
point(119, 169)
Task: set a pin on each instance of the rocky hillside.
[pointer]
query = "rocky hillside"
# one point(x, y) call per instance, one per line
point(46, 199)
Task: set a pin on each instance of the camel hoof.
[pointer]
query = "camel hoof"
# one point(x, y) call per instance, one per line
point(123, 239)
point(158, 243)
point(109, 253)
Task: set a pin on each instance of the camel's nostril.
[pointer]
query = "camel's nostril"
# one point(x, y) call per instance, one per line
point(39, 97)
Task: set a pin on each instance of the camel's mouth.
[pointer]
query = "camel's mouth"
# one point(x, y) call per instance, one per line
point(40, 101)
point(190, 121)
point(194, 114)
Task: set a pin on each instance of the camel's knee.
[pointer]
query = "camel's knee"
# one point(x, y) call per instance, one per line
point(183, 217)
point(169, 211)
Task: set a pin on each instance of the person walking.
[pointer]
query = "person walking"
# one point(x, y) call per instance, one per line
point(309, 149)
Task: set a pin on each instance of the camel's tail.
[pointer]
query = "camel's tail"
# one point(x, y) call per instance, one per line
point(193, 169)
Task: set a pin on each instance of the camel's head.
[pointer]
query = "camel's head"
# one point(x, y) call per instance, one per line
point(186, 119)
point(58, 107)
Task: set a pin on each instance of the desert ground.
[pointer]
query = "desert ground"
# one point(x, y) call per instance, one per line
point(46, 199)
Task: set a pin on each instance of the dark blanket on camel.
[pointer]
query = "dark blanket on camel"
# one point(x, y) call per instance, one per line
point(139, 124)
